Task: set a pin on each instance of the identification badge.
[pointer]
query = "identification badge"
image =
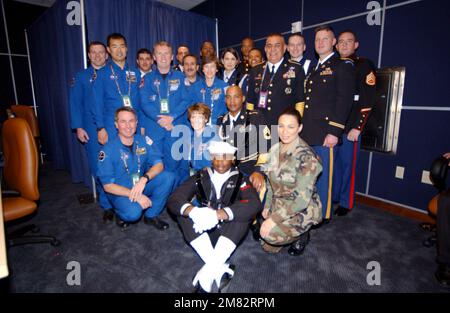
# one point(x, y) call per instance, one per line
point(262, 99)
point(135, 178)
point(164, 106)
point(126, 101)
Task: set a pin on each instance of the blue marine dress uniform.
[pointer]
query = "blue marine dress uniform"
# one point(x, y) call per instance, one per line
point(165, 96)
point(115, 88)
point(272, 93)
point(329, 93)
point(213, 97)
point(81, 116)
point(250, 134)
point(347, 153)
point(119, 164)
point(233, 79)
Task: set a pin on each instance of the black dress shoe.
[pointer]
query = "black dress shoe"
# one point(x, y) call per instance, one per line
point(108, 216)
point(442, 275)
point(122, 224)
point(255, 228)
point(299, 246)
point(341, 211)
point(156, 222)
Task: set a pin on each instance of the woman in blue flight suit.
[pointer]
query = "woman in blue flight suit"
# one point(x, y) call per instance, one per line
point(131, 171)
point(229, 72)
point(211, 91)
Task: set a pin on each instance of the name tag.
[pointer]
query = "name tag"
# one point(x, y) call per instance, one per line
point(135, 178)
point(164, 106)
point(174, 84)
point(126, 101)
point(356, 98)
point(262, 99)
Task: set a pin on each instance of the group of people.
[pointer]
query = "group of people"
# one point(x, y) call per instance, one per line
point(227, 145)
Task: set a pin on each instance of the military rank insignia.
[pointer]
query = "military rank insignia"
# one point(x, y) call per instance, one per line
point(266, 133)
point(371, 79)
point(148, 140)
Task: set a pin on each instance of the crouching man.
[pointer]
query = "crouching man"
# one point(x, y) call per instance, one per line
point(131, 171)
point(214, 208)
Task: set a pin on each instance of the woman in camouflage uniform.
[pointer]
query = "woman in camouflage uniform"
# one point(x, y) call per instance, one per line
point(292, 204)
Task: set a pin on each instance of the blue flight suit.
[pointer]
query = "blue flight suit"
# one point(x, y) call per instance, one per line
point(81, 116)
point(213, 96)
point(170, 90)
point(116, 165)
point(111, 84)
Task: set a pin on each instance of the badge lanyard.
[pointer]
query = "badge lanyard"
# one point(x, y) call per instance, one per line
point(263, 94)
point(118, 87)
point(212, 100)
point(164, 103)
point(135, 176)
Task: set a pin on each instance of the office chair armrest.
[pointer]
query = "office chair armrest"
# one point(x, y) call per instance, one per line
point(10, 194)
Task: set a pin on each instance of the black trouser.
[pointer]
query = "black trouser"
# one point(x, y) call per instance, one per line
point(443, 228)
point(233, 230)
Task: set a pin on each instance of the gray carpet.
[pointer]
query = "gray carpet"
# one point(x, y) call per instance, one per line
point(143, 259)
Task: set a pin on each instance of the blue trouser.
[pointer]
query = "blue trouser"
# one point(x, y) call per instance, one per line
point(93, 147)
point(343, 189)
point(158, 190)
point(325, 181)
point(179, 168)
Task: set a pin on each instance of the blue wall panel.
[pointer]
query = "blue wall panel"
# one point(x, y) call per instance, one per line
point(415, 37)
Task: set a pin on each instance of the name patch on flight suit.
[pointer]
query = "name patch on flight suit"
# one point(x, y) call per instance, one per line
point(174, 84)
point(141, 151)
point(130, 76)
point(215, 94)
point(148, 140)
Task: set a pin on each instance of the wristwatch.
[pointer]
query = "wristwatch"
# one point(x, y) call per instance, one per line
point(146, 176)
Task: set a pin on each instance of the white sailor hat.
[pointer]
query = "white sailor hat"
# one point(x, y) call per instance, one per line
point(221, 147)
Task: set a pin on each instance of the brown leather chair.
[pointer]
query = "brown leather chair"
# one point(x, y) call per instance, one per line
point(20, 174)
point(27, 113)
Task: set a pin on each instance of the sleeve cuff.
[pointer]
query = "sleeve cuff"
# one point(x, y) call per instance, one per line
point(229, 213)
point(184, 207)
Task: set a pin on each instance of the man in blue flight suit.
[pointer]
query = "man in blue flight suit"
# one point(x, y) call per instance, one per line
point(116, 86)
point(164, 101)
point(132, 173)
point(365, 96)
point(81, 116)
point(329, 90)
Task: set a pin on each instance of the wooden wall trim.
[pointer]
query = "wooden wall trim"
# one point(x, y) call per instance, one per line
point(393, 208)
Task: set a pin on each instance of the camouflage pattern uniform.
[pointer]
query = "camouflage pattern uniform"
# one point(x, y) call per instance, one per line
point(292, 198)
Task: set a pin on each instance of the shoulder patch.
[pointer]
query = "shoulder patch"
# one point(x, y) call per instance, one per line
point(148, 140)
point(101, 156)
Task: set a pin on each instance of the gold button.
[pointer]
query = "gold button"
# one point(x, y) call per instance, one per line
point(271, 85)
point(269, 108)
point(310, 82)
point(306, 106)
point(270, 92)
point(309, 90)
point(307, 98)
point(324, 80)
point(269, 100)
point(326, 118)
point(361, 121)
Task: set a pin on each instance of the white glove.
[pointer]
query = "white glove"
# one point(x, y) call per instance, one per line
point(205, 276)
point(207, 220)
point(220, 271)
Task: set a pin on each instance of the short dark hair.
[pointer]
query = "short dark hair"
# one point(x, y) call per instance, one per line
point(183, 45)
point(298, 34)
point(275, 35)
point(115, 36)
point(95, 43)
point(232, 51)
point(143, 51)
point(257, 49)
point(326, 27)
point(124, 109)
point(292, 112)
point(192, 56)
point(348, 31)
